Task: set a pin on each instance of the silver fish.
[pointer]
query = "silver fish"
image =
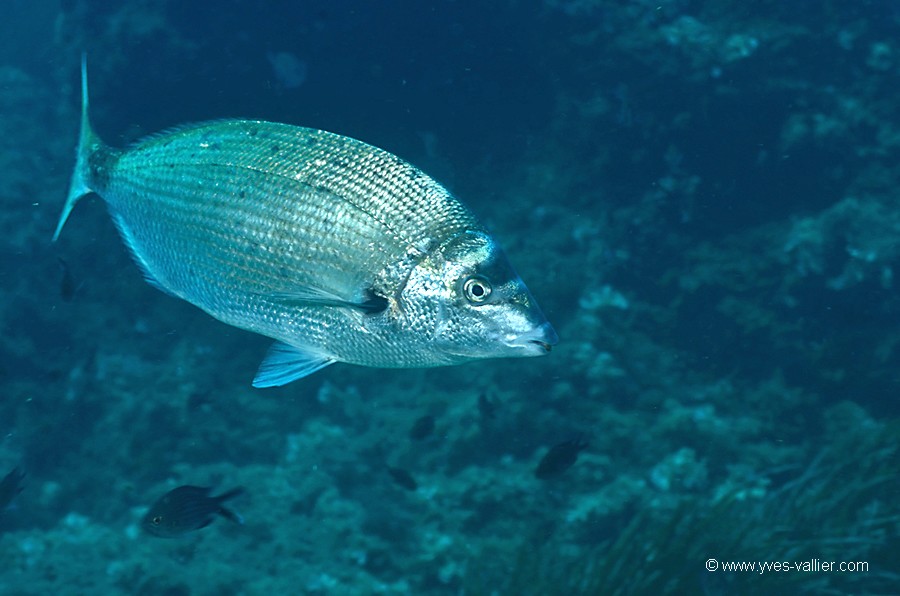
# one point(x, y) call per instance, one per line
point(340, 251)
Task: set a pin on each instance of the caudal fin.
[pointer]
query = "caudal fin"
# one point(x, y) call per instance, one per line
point(87, 141)
point(225, 511)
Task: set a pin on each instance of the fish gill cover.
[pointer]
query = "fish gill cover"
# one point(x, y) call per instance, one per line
point(700, 194)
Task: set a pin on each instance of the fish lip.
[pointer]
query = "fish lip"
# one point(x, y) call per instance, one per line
point(542, 344)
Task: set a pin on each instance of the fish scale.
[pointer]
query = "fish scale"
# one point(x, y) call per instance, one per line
point(298, 219)
point(340, 251)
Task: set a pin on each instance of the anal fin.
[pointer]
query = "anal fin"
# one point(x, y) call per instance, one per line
point(284, 363)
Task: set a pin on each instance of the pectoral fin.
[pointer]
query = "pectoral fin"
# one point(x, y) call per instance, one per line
point(311, 296)
point(284, 363)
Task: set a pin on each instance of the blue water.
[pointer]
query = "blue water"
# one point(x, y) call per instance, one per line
point(700, 195)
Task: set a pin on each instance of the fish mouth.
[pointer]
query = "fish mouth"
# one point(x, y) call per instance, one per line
point(538, 341)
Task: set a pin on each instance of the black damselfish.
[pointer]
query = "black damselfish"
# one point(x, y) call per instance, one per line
point(188, 508)
point(10, 486)
point(560, 458)
point(403, 478)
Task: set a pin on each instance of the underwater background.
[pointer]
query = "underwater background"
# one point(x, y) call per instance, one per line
point(701, 195)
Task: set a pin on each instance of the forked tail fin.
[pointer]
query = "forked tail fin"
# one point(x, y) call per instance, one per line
point(87, 143)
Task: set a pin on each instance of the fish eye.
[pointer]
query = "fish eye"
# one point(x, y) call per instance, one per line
point(476, 289)
point(156, 520)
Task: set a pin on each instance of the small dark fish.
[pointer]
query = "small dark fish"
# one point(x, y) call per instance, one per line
point(403, 478)
point(10, 486)
point(487, 407)
point(188, 508)
point(560, 458)
point(67, 286)
point(422, 428)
